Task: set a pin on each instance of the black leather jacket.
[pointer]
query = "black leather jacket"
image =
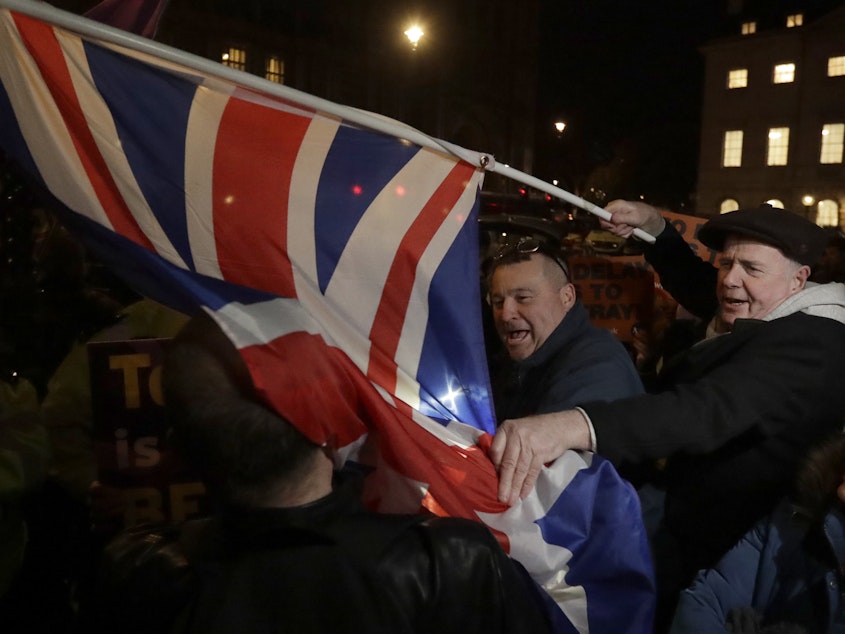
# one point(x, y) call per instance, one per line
point(329, 566)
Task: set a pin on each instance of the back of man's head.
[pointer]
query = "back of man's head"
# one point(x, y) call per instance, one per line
point(245, 453)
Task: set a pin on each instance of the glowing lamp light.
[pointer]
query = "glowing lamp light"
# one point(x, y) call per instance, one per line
point(357, 190)
point(414, 34)
point(808, 200)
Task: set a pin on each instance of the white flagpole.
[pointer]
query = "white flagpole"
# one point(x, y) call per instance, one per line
point(102, 32)
point(557, 192)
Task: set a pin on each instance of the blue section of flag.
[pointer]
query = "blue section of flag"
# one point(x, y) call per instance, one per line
point(153, 277)
point(358, 167)
point(150, 110)
point(453, 301)
point(592, 517)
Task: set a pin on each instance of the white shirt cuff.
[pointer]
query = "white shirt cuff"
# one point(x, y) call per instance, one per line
point(593, 445)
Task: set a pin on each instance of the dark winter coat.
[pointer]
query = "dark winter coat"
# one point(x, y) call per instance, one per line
point(736, 413)
point(329, 566)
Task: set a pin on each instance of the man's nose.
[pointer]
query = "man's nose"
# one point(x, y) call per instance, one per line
point(732, 277)
point(508, 309)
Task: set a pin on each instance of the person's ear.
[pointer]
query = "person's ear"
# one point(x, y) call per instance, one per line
point(799, 278)
point(568, 295)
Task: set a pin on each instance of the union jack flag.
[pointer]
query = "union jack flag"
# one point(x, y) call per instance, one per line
point(342, 262)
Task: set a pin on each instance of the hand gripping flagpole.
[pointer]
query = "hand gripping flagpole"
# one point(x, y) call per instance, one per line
point(102, 32)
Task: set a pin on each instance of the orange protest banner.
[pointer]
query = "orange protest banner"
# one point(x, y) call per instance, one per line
point(688, 227)
point(617, 295)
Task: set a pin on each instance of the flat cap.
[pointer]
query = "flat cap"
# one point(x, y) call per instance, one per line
point(798, 238)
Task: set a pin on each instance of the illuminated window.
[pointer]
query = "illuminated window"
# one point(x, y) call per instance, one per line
point(234, 58)
point(833, 135)
point(827, 214)
point(796, 19)
point(778, 147)
point(728, 205)
point(738, 78)
point(836, 66)
point(732, 149)
point(784, 73)
point(749, 27)
point(275, 69)
point(774, 202)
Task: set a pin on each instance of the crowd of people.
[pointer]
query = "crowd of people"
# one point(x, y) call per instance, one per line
point(729, 419)
point(730, 424)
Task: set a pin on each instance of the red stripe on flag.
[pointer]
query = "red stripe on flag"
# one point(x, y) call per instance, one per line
point(461, 482)
point(310, 384)
point(42, 44)
point(255, 152)
point(387, 325)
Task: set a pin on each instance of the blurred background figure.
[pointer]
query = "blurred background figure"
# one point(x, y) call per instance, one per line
point(785, 576)
point(24, 454)
point(55, 298)
point(831, 264)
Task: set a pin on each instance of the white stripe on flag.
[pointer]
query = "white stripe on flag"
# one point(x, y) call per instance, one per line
point(262, 322)
point(207, 109)
point(43, 128)
point(409, 350)
point(302, 200)
point(305, 179)
point(104, 132)
point(548, 564)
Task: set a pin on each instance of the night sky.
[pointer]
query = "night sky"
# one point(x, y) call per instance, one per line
point(627, 75)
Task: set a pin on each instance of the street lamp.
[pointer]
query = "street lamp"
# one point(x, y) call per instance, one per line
point(808, 201)
point(414, 33)
point(558, 161)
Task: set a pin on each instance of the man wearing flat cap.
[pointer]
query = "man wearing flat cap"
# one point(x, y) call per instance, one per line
point(734, 414)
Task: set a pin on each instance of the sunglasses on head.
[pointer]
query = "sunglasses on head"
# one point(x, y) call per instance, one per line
point(527, 245)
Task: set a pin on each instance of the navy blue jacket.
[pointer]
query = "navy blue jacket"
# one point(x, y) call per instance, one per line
point(788, 569)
